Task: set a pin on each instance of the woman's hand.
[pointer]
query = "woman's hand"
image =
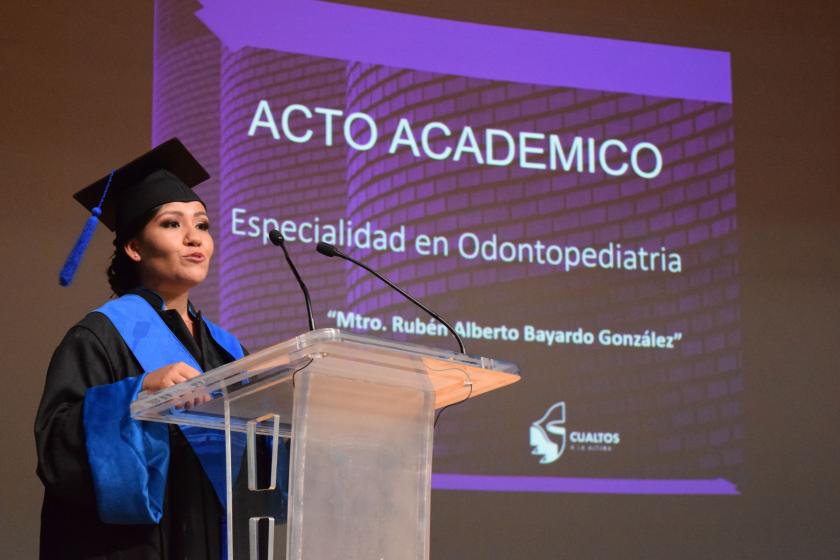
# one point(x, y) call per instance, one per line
point(169, 375)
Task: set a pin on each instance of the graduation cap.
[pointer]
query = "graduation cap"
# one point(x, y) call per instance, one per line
point(167, 173)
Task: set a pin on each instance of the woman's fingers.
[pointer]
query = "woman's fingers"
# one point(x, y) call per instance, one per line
point(169, 375)
point(181, 372)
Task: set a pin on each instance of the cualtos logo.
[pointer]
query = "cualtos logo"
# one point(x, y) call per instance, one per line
point(550, 423)
point(549, 436)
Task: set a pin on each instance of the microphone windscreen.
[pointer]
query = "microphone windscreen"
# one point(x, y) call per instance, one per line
point(326, 249)
point(275, 237)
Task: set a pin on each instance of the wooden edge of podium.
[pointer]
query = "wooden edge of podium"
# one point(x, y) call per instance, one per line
point(450, 380)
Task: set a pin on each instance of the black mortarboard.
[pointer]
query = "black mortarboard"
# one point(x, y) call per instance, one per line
point(167, 173)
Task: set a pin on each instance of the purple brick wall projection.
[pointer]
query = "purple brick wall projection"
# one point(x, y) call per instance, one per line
point(679, 412)
point(185, 103)
point(261, 301)
point(685, 405)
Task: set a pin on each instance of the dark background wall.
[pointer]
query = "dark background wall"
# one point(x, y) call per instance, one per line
point(76, 99)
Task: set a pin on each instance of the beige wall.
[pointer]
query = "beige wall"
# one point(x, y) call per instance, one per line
point(76, 91)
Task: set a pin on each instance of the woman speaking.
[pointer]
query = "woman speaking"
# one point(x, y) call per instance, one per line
point(116, 487)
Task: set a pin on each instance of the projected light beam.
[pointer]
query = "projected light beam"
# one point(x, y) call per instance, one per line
point(572, 485)
point(481, 51)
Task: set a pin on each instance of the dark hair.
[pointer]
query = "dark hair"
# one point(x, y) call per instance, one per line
point(123, 273)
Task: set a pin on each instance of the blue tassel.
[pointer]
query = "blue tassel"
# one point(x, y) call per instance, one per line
point(68, 271)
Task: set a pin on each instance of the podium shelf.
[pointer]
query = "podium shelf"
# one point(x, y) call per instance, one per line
point(261, 386)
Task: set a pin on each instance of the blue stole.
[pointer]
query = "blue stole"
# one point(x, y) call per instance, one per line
point(129, 459)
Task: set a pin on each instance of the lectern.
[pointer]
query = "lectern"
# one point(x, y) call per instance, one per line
point(359, 411)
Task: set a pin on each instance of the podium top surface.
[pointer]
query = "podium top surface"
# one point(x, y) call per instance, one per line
point(261, 385)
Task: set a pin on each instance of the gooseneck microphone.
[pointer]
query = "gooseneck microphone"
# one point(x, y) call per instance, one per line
point(331, 251)
point(277, 240)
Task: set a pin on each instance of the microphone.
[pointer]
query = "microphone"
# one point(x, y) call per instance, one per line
point(277, 240)
point(331, 251)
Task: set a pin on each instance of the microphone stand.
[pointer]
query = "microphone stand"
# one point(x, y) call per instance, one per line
point(331, 251)
point(278, 241)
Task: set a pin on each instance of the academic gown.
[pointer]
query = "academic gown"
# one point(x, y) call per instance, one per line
point(93, 353)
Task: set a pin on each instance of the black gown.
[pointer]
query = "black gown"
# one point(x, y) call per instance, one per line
point(93, 353)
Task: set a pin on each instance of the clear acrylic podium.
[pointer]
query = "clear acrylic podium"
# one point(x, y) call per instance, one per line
point(359, 411)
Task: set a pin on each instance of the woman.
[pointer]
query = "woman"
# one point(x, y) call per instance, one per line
point(114, 487)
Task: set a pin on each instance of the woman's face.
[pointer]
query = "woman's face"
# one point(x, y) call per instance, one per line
point(174, 249)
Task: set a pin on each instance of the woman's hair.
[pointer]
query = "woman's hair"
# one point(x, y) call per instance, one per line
point(123, 273)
